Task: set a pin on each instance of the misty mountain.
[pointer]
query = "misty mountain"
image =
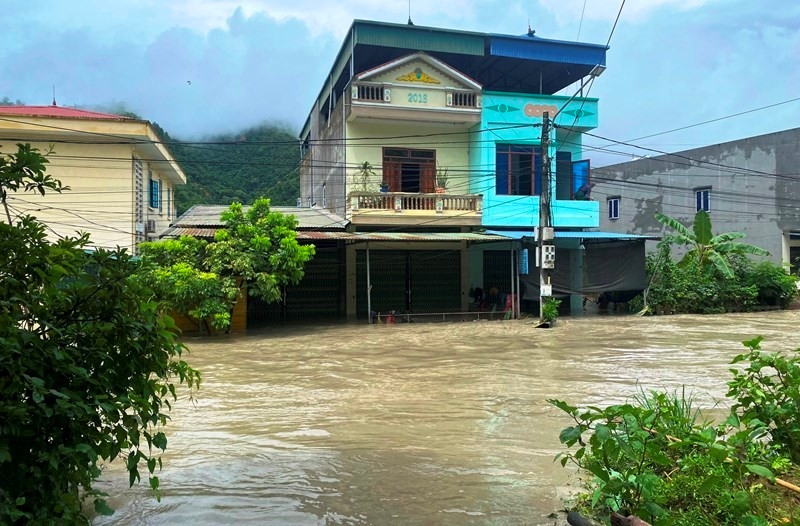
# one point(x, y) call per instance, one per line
point(221, 169)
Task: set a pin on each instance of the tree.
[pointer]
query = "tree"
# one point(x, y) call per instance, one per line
point(88, 365)
point(5, 101)
point(709, 251)
point(258, 247)
point(240, 167)
point(25, 170)
point(364, 173)
point(175, 268)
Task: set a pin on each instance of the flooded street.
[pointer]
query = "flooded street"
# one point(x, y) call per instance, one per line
point(412, 424)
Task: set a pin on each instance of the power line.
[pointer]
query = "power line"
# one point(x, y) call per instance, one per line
point(615, 23)
point(580, 25)
point(681, 128)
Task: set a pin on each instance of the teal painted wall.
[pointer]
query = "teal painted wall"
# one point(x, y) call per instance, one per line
point(516, 119)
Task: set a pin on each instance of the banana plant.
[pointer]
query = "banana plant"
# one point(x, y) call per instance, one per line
point(709, 251)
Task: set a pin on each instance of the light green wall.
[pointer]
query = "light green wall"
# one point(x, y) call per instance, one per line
point(452, 149)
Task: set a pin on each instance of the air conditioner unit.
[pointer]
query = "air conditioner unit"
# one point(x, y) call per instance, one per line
point(151, 226)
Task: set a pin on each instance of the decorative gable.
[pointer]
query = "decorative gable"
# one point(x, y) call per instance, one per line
point(420, 69)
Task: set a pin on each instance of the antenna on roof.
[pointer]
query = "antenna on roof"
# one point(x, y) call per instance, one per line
point(409, 14)
point(54, 94)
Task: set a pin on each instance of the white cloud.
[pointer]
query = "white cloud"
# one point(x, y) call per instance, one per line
point(330, 17)
point(569, 11)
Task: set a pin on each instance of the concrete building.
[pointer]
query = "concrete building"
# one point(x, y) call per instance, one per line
point(429, 135)
point(121, 177)
point(750, 185)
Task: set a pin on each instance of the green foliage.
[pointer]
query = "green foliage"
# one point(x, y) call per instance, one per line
point(550, 309)
point(774, 285)
point(364, 173)
point(655, 457)
point(201, 280)
point(767, 394)
point(259, 246)
point(88, 367)
point(709, 252)
point(442, 176)
point(174, 268)
point(5, 101)
point(687, 287)
point(263, 160)
point(25, 170)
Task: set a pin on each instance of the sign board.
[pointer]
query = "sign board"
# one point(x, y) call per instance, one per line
point(546, 290)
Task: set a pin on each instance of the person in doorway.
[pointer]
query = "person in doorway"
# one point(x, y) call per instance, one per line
point(584, 193)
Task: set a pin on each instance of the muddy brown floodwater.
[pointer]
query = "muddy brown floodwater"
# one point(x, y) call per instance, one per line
point(413, 424)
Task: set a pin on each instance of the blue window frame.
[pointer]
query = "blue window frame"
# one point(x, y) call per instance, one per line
point(581, 174)
point(518, 170)
point(155, 192)
point(702, 199)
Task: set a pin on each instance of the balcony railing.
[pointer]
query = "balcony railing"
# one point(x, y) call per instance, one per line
point(370, 92)
point(460, 99)
point(411, 208)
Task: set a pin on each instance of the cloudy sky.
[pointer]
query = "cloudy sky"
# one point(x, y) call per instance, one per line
point(203, 66)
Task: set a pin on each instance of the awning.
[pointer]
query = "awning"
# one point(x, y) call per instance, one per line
point(571, 234)
point(615, 236)
point(513, 234)
point(399, 236)
point(341, 235)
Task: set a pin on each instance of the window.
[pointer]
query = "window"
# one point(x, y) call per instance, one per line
point(406, 170)
point(702, 199)
point(155, 192)
point(160, 201)
point(169, 202)
point(581, 175)
point(518, 170)
point(613, 207)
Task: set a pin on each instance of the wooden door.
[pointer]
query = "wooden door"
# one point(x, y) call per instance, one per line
point(391, 175)
point(427, 178)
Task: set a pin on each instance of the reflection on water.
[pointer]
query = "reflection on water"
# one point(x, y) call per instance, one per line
point(412, 424)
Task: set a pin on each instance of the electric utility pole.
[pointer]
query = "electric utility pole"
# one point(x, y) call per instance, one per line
point(546, 247)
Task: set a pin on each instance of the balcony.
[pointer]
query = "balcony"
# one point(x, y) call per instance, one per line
point(372, 100)
point(412, 209)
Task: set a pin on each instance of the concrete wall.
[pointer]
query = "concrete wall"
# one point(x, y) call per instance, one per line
point(452, 150)
point(516, 119)
point(753, 182)
point(101, 199)
point(329, 185)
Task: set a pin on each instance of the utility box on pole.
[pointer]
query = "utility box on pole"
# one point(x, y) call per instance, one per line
point(546, 250)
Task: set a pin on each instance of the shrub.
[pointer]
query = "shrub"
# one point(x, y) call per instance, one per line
point(774, 285)
point(655, 457)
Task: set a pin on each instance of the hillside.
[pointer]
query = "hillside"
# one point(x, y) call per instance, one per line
point(238, 167)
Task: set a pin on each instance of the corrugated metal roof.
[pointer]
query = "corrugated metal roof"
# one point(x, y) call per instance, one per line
point(426, 236)
point(59, 112)
point(601, 235)
point(513, 234)
point(520, 64)
point(417, 37)
point(178, 231)
point(307, 218)
point(563, 234)
point(351, 237)
point(532, 48)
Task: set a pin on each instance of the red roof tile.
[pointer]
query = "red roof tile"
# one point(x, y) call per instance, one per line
point(59, 112)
